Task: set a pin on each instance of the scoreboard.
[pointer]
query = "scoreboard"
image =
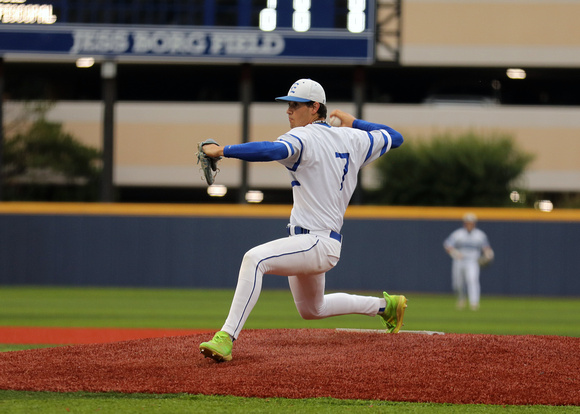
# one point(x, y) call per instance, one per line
point(266, 31)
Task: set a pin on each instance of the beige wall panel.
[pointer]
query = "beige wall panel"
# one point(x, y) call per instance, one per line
point(90, 133)
point(83, 120)
point(551, 134)
point(268, 121)
point(160, 148)
point(474, 23)
point(500, 32)
point(555, 149)
point(179, 113)
point(148, 144)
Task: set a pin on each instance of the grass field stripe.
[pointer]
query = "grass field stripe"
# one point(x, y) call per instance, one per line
point(65, 335)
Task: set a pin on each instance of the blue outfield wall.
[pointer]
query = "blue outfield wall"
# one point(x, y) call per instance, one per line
point(393, 249)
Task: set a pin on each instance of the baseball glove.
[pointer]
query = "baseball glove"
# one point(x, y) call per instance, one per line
point(484, 261)
point(486, 258)
point(207, 164)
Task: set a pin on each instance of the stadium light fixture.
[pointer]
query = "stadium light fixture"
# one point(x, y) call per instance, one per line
point(544, 205)
point(514, 73)
point(85, 62)
point(217, 190)
point(254, 196)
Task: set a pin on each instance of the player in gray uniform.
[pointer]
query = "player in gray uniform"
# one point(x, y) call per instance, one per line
point(466, 246)
point(323, 163)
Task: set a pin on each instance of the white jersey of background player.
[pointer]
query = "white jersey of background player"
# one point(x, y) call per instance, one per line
point(323, 163)
point(466, 245)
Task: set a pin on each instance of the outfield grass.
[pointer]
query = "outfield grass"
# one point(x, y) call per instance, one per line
point(189, 308)
point(196, 309)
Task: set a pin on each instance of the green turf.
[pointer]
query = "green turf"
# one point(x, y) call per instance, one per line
point(190, 308)
point(21, 347)
point(43, 402)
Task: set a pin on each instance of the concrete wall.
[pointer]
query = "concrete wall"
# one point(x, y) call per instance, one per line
point(397, 249)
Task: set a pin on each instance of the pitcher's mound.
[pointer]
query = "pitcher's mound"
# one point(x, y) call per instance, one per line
point(305, 363)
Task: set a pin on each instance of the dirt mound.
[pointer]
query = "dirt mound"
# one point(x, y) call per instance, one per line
point(305, 363)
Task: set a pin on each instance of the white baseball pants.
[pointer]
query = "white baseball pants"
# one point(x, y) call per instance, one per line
point(304, 259)
point(465, 279)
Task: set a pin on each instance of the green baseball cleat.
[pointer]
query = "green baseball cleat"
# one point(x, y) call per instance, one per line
point(393, 315)
point(219, 348)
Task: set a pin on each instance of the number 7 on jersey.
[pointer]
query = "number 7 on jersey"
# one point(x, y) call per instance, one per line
point(345, 156)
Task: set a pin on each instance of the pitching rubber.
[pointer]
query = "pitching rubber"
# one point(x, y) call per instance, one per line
point(382, 331)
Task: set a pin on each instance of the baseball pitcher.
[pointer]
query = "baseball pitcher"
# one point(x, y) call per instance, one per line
point(322, 163)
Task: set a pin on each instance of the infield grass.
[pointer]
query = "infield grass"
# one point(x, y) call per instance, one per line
point(197, 309)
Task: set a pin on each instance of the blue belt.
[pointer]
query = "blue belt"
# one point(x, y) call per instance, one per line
point(299, 230)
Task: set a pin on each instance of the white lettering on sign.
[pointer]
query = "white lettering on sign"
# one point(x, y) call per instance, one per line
point(27, 13)
point(246, 44)
point(166, 42)
point(100, 41)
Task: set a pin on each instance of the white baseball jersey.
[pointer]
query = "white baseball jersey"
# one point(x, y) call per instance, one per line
point(469, 244)
point(323, 163)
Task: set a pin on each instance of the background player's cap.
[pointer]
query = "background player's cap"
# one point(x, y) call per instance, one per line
point(305, 90)
point(469, 218)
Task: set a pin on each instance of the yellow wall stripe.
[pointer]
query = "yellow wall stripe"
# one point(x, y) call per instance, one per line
point(202, 210)
point(281, 211)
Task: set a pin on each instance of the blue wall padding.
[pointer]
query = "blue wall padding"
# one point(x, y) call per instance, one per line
point(532, 258)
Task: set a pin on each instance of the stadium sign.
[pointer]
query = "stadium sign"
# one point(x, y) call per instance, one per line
point(316, 32)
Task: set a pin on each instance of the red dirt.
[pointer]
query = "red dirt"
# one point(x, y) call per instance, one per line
point(305, 363)
point(69, 336)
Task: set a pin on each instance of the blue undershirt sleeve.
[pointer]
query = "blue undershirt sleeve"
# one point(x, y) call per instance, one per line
point(370, 126)
point(257, 151)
